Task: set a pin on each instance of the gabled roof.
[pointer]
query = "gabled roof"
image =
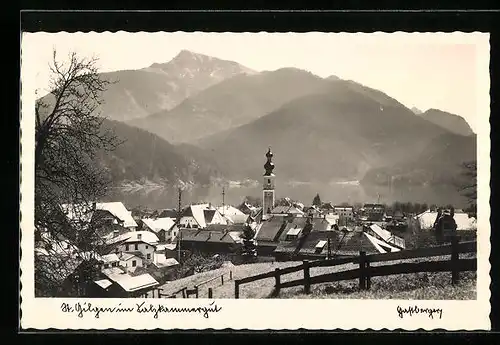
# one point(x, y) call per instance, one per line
point(384, 234)
point(128, 282)
point(197, 212)
point(270, 229)
point(289, 209)
point(381, 246)
point(158, 224)
point(198, 235)
point(133, 283)
point(118, 210)
point(309, 243)
point(85, 212)
point(208, 215)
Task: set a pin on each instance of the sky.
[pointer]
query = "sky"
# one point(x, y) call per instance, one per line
point(449, 72)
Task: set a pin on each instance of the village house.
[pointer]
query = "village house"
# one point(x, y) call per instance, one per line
point(199, 216)
point(289, 210)
point(280, 229)
point(373, 212)
point(217, 242)
point(312, 246)
point(162, 227)
point(104, 218)
point(137, 242)
point(116, 282)
point(345, 213)
point(232, 214)
point(248, 209)
point(131, 261)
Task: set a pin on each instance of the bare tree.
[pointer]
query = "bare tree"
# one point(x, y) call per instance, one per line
point(69, 137)
point(468, 186)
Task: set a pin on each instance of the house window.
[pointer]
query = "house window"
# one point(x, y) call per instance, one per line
point(126, 247)
point(146, 247)
point(269, 181)
point(106, 265)
point(134, 263)
point(114, 264)
point(148, 256)
point(136, 246)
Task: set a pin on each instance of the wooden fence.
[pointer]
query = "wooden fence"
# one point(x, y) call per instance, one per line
point(185, 292)
point(365, 271)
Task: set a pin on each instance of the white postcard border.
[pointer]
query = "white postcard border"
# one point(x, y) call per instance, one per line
point(290, 314)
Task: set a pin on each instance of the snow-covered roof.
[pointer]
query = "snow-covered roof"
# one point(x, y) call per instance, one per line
point(84, 212)
point(135, 236)
point(118, 210)
point(133, 283)
point(380, 245)
point(464, 222)
point(233, 214)
point(158, 224)
point(127, 282)
point(110, 258)
point(384, 234)
point(294, 231)
point(104, 283)
point(162, 261)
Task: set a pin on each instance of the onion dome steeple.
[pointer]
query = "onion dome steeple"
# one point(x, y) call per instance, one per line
point(269, 166)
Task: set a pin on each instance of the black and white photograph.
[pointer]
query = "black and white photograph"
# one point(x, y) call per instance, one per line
point(170, 167)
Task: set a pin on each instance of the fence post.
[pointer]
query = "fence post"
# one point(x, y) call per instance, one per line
point(277, 278)
point(230, 275)
point(209, 292)
point(196, 290)
point(236, 289)
point(307, 278)
point(368, 275)
point(362, 263)
point(454, 260)
point(222, 279)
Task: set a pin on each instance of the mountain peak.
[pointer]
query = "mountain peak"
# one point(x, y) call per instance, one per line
point(452, 122)
point(185, 54)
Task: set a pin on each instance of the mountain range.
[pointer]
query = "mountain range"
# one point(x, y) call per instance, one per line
point(134, 94)
point(196, 118)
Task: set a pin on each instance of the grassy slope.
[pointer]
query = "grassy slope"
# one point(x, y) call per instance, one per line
point(403, 286)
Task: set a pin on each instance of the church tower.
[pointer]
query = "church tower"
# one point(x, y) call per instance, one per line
point(268, 185)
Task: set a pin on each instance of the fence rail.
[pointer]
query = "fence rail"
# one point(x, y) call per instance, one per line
point(185, 292)
point(365, 271)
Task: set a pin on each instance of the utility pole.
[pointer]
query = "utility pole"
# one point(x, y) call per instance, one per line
point(179, 214)
point(179, 205)
point(179, 246)
point(223, 202)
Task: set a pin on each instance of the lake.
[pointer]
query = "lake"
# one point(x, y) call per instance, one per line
point(305, 192)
